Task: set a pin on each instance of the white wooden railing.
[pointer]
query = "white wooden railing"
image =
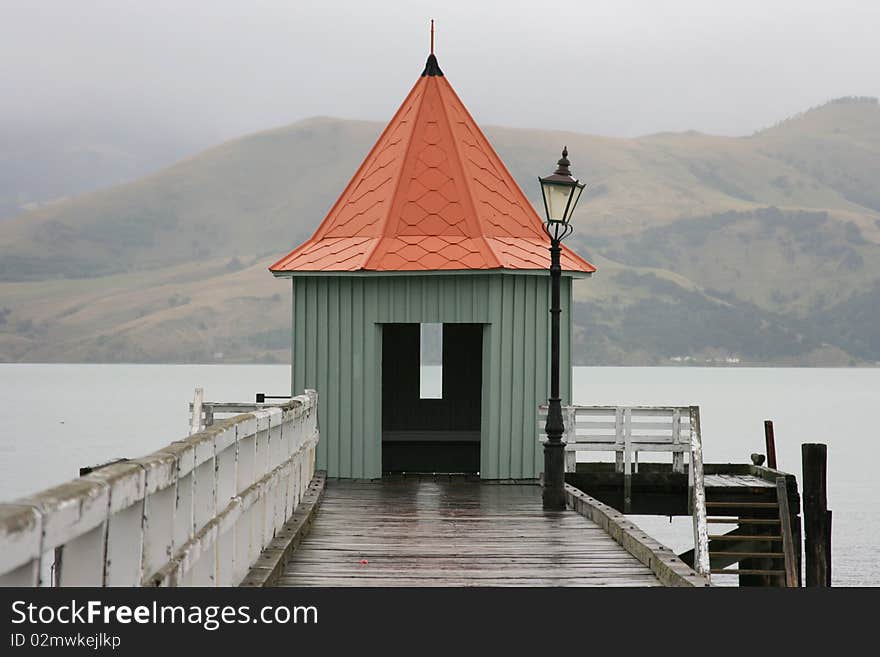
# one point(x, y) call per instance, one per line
point(197, 512)
point(628, 430)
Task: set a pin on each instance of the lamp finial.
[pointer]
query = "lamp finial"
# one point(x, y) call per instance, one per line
point(563, 163)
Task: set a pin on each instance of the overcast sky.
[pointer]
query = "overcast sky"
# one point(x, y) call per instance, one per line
point(612, 67)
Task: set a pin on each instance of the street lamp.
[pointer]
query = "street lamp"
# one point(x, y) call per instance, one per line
point(561, 193)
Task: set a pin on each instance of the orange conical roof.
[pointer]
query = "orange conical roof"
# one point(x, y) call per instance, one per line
point(431, 195)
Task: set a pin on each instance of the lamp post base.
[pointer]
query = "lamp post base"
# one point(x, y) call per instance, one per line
point(553, 495)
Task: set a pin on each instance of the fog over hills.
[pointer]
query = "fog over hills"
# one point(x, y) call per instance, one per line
point(755, 249)
point(46, 159)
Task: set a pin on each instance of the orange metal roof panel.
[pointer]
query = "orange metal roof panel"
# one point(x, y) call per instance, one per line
point(431, 195)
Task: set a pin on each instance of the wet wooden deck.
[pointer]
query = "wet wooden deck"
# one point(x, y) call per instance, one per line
point(736, 480)
point(452, 532)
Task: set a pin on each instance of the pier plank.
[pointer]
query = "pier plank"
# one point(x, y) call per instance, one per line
point(451, 532)
point(735, 480)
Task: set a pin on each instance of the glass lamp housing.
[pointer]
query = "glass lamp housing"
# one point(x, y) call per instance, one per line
point(560, 198)
point(561, 193)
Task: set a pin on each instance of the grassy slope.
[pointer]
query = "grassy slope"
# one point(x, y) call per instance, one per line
point(192, 312)
point(252, 195)
point(679, 224)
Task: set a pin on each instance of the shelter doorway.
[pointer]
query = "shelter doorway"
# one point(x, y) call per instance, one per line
point(431, 397)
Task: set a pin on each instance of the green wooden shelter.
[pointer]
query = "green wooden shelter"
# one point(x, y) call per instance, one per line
point(420, 305)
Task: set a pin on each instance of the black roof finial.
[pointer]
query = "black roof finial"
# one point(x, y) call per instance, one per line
point(431, 66)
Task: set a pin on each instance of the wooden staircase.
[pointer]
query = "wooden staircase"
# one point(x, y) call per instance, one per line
point(762, 545)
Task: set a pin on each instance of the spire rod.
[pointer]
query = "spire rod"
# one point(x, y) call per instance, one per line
point(431, 66)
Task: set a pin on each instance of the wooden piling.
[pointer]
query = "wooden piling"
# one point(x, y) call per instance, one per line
point(770, 442)
point(817, 526)
point(828, 547)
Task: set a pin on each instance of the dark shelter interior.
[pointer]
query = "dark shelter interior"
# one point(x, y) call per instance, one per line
point(433, 433)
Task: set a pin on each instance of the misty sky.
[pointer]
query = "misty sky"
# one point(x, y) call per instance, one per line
point(618, 67)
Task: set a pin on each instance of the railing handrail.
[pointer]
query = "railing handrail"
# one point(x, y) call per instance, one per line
point(669, 430)
point(621, 437)
point(197, 511)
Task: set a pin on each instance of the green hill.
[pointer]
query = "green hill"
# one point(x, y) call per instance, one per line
point(758, 249)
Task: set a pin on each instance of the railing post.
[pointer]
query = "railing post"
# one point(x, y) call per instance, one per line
point(790, 561)
point(225, 461)
point(123, 538)
point(701, 531)
point(195, 419)
point(618, 439)
point(627, 459)
point(160, 502)
point(570, 438)
point(677, 457)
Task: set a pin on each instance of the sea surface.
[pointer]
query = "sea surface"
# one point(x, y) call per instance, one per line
point(60, 417)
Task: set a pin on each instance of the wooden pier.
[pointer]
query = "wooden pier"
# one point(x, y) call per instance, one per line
point(452, 531)
point(239, 502)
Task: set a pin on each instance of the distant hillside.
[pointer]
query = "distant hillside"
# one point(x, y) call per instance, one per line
point(758, 249)
point(43, 163)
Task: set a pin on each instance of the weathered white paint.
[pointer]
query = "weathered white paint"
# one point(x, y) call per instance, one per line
point(195, 421)
point(698, 497)
point(197, 512)
point(20, 536)
point(628, 430)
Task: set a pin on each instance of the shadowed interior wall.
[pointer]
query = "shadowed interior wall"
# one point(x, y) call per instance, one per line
point(337, 350)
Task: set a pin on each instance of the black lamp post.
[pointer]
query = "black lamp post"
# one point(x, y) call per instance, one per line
point(561, 193)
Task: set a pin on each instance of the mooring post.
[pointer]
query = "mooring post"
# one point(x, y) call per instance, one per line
point(770, 442)
point(817, 526)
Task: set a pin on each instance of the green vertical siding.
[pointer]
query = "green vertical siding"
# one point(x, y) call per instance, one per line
point(337, 333)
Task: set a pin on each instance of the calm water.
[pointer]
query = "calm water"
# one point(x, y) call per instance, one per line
point(60, 417)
